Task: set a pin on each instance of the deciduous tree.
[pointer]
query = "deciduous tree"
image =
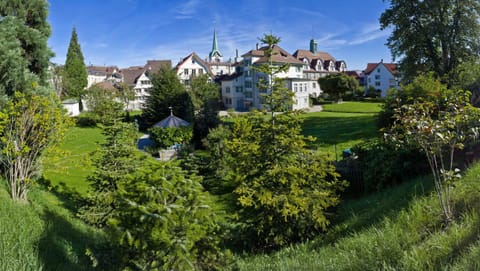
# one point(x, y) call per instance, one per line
point(432, 35)
point(337, 85)
point(28, 125)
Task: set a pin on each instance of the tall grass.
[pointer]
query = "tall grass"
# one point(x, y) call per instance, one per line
point(412, 238)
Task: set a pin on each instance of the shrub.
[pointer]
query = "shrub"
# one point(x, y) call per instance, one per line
point(167, 137)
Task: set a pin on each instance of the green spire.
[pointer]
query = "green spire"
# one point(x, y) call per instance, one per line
point(215, 53)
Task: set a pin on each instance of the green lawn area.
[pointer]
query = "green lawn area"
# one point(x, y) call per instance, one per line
point(343, 126)
point(353, 107)
point(70, 162)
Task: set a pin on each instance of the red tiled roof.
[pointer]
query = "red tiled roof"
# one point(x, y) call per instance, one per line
point(101, 70)
point(130, 75)
point(391, 67)
point(279, 55)
point(108, 85)
point(155, 65)
point(301, 54)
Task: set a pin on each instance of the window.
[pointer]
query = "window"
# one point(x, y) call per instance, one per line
point(185, 71)
point(299, 69)
point(194, 72)
point(378, 70)
point(238, 89)
point(200, 71)
point(145, 82)
point(227, 90)
point(314, 85)
point(248, 84)
point(377, 77)
point(301, 89)
point(305, 87)
point(248, 94)
point(295, 88)
point(377, 83)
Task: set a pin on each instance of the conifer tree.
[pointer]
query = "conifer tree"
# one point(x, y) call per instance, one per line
point(75, 72)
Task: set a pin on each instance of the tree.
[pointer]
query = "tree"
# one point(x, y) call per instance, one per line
point(432, 35)
point(205, 97)
point(126, 95)
point(104, 104)
point(75, 72)
point(115, 161)
point(165, 222)
point(337, 85)
point(31, 31)
point(28, 125)
point(281, 189)
point(167, 91)
point(439, 129)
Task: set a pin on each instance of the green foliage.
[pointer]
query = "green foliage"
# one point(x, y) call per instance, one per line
point(282, 190)
point(167, 137)
point(104, 104)
point(206, 101)
point(337, 85)
point(75, 72)
point(383, 164)
point(24, 25)
point(422, 88)
point(353, 107)
point(115, 161)
point(29, 124)
point(164, 221)
point(438, 129)
point(432, 35)
point(167, 91)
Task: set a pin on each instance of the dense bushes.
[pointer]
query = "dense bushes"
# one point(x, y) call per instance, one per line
point(383, 164)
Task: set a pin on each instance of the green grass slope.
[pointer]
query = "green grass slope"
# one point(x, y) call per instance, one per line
point(401, 230)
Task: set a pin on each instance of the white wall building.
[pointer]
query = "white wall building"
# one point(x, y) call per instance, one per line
point(381, 76)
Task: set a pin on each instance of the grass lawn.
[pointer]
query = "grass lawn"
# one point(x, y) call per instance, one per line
point(68, 165)
point(338, 129)
point(353, 107)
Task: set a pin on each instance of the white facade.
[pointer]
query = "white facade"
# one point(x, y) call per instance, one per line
point(382, 77)
point(190, 67)
point(95, 79)
point(142, 87)
point(72, 107)
point(241, 93)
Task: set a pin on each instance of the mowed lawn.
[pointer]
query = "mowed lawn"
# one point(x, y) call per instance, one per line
point(341, 126)
point(71, 161)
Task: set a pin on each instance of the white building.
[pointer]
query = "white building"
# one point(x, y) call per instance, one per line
point(190, 67)
point(98, 74)
point(240, 91)
point(381, 76)
point(139, 78)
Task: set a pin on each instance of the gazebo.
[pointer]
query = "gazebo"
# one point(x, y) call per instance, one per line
point(171, 121)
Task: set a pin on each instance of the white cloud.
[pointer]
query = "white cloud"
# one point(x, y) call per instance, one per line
point(368, 33)
point(186, 10)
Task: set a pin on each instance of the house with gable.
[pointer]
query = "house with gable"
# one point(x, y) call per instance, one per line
point(318, 64)
point(139, 78)
point(240, 91)
point(98, 74)
point(190, 67)
point(381, 76)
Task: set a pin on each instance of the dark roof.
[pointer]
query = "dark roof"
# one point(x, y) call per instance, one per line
point(155, 65)
point(391, 67)
point(171, 121)
point(101, 70)
point(356, 74)
point(301, 54)
point(130, 75)
point(228, 77)
point(108, 85)
point(279, 55)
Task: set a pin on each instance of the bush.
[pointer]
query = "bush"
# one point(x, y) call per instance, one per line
point(167, 137)
point(383, 164)
point(86, 120)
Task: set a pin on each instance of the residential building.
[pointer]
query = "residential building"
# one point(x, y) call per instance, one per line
point(139, 78)
point(317, 64)
point(240, 91)
point(98, 74)
point(190, 67)
point(381, 76)
point(359, 76)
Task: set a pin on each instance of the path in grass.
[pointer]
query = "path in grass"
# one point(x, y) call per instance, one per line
point(342, 125)
point(70, 163)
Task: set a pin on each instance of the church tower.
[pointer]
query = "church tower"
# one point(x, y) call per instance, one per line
point(215, 55)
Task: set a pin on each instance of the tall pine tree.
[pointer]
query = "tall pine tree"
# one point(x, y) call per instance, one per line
point(75, 72)
point(24, 54)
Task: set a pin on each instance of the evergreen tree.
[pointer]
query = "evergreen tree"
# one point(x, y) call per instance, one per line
point(167, 91)
point(30, 30)
point(205, 97)
point(281, 189)
point(75, 72)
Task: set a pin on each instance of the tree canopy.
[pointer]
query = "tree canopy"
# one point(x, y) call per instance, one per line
point(432, 35)
point(75, 73)
point(167, 91)
point(336, 85)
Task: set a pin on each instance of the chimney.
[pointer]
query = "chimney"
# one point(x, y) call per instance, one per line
point(236, 55)
point(257, 46)
point(381, 60)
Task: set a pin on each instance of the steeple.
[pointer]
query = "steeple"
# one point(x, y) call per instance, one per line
point(215, 55)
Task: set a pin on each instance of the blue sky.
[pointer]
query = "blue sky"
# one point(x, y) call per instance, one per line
point(129, 32)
